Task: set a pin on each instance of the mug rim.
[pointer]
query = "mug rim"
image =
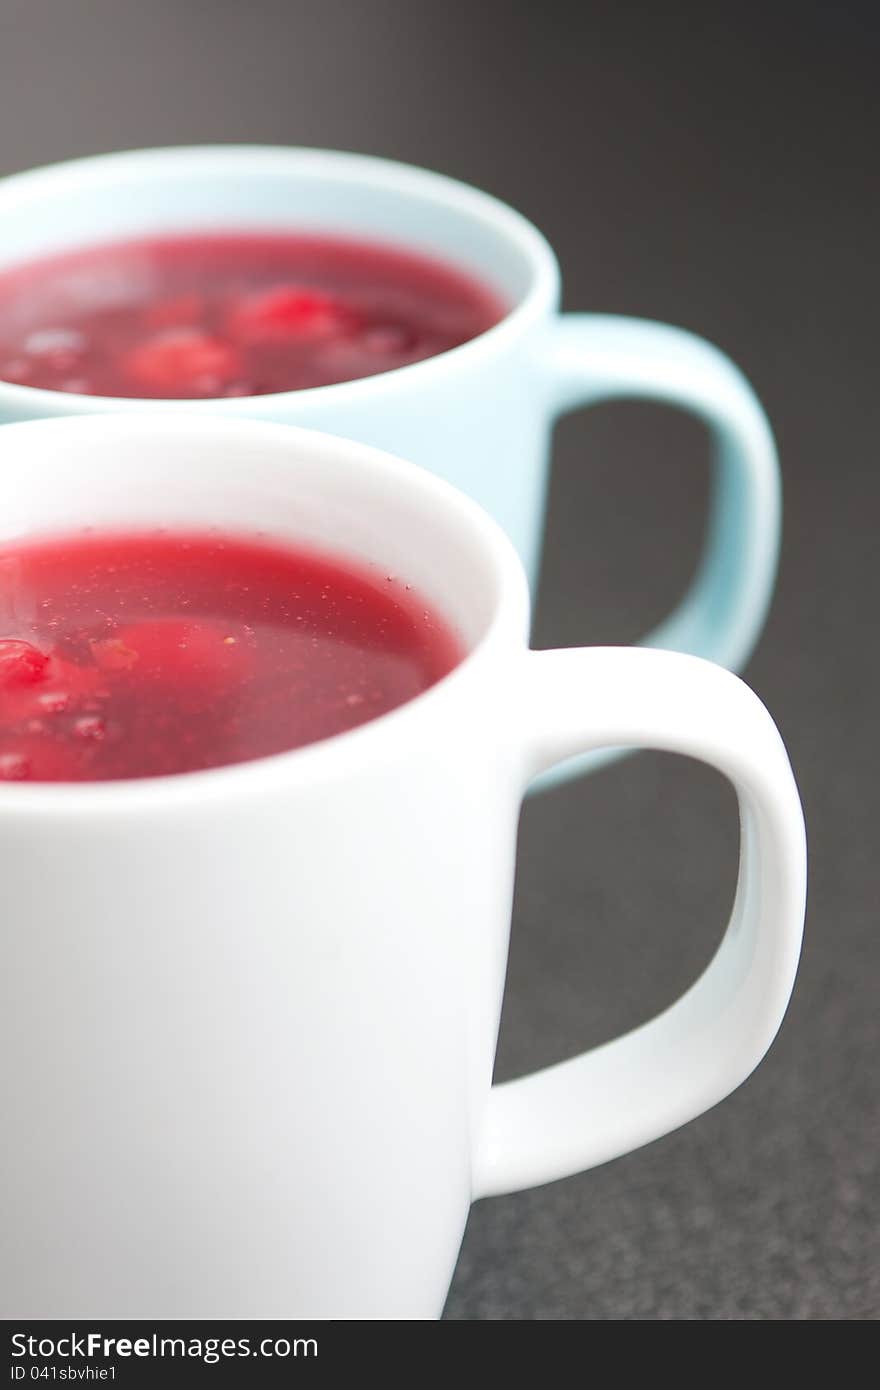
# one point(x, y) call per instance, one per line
point(345, 166)
point(321, 759)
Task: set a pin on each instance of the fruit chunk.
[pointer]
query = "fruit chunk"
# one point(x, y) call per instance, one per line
point(182, 359)
point(21, 663)
point(111, 654)
point(58, 687)
point(289, 313)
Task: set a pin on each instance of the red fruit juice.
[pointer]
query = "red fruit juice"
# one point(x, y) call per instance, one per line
point(137, 655)
point(233, 314)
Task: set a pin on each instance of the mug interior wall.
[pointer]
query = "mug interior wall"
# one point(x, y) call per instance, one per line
point(123, 196)
point(65, 479)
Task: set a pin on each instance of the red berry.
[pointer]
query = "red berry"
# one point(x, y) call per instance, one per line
point(61, 687)
point(21, 663)
point(182, 360)
point(289, 313)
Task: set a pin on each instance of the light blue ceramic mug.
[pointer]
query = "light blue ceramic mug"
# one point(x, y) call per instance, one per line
point(481, 415)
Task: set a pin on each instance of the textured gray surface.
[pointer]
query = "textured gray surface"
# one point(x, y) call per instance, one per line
point(712, 169)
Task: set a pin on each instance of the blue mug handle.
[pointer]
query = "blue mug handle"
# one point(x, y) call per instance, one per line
point(587, 358)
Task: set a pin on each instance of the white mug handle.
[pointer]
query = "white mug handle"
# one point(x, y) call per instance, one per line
point(640, 1086)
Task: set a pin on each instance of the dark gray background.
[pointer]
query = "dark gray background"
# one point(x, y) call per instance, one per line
point(714, 166)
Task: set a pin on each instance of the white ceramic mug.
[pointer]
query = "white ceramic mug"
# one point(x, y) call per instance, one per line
point(480, 416)
point(248, 1015)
